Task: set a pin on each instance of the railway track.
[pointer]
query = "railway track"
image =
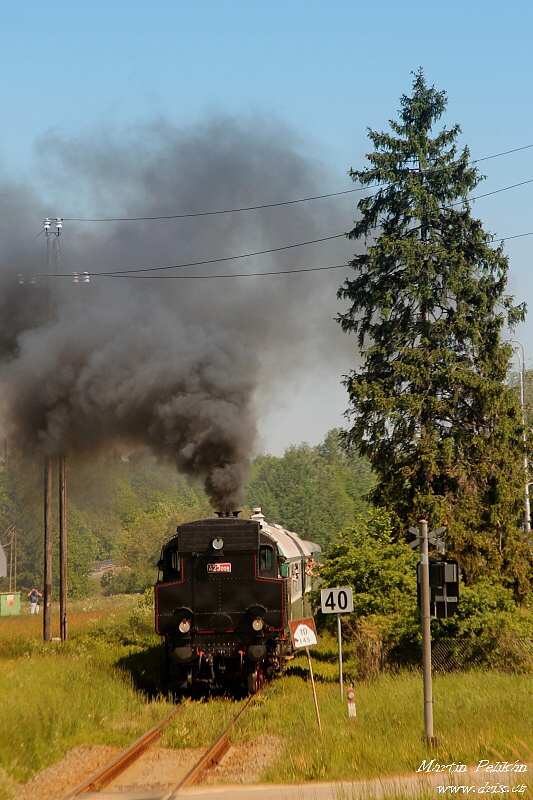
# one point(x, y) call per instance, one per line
point(212, 756)
point(114, 774)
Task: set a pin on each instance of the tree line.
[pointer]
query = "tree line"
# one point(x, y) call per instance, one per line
point(124, 510)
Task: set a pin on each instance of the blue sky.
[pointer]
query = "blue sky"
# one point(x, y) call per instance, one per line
point(325, 70)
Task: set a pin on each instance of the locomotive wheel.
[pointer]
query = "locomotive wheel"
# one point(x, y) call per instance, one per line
point(189, 678)
point(256, 678)
point(183, 677)
point(168, 660)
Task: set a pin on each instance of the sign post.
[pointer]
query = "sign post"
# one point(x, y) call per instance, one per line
point(337, 601)
point(303, 634)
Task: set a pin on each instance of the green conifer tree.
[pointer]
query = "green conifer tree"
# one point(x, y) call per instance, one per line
point(430, 406)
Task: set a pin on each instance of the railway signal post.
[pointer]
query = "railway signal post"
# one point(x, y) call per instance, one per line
point(423, 539)
point(426, 632)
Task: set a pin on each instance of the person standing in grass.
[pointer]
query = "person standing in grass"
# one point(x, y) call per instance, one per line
point(35, 600)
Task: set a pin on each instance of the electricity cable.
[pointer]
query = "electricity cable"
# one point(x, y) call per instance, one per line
point(497, 191)
point(133, 273)
point(204, 277)
point(214, 213)
point(128, 271)
point(127, 274)
point(218, 260)
point(505, 153)
point(265, 205)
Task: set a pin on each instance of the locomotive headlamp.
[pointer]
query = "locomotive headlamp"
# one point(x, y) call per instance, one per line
point(217, 544)
point(257, 624)
point(184, 626)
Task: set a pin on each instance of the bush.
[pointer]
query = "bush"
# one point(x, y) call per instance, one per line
point(490, 629)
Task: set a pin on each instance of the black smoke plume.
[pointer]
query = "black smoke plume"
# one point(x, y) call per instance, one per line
point(178, 364)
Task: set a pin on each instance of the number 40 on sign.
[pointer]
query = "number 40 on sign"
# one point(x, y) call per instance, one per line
point(337, 601)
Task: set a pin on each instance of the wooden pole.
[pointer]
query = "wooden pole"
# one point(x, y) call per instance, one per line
point(314, 689)
point(47, 588)
point(63, 572)
point(15, 545)
point(11, 560)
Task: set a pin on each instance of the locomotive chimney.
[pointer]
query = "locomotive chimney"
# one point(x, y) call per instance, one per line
point(227, 513)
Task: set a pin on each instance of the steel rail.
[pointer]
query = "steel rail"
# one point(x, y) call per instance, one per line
point(211, 757)
point(106, 774)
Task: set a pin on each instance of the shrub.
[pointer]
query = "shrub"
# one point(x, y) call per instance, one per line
point(490, 629)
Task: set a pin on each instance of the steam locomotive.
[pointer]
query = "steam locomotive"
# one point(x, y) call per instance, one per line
point(225, 593)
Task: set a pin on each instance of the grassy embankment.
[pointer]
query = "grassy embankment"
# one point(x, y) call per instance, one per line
point(106, 686)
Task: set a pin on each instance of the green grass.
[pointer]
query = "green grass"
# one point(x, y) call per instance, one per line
point(477, 715)
point(58, 696)
point(201, 722)
point(106, 686)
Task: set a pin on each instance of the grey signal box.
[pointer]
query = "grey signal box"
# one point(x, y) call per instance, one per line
point(443, 588)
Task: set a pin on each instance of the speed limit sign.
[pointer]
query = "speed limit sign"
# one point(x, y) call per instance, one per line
point(336, 601)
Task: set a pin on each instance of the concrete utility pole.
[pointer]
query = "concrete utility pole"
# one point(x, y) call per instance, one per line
point(519, 350)
point(426, 632)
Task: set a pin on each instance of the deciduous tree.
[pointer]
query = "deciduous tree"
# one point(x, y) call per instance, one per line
point(315, 491)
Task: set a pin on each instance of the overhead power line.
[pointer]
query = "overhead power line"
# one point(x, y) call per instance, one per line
point(227, 275)
point(505, 189)
point(133, 273)
point(226, 258)
point(516, 236)
point(265, 205)
point(290, 246)
point(214, 213)
point(505, 153)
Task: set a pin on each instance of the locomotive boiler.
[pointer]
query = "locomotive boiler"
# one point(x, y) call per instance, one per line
point(226, 590)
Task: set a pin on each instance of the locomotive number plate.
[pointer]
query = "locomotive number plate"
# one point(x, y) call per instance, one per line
point(219, 567)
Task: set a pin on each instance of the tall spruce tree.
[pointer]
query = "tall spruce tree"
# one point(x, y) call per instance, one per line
point(430, 406)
